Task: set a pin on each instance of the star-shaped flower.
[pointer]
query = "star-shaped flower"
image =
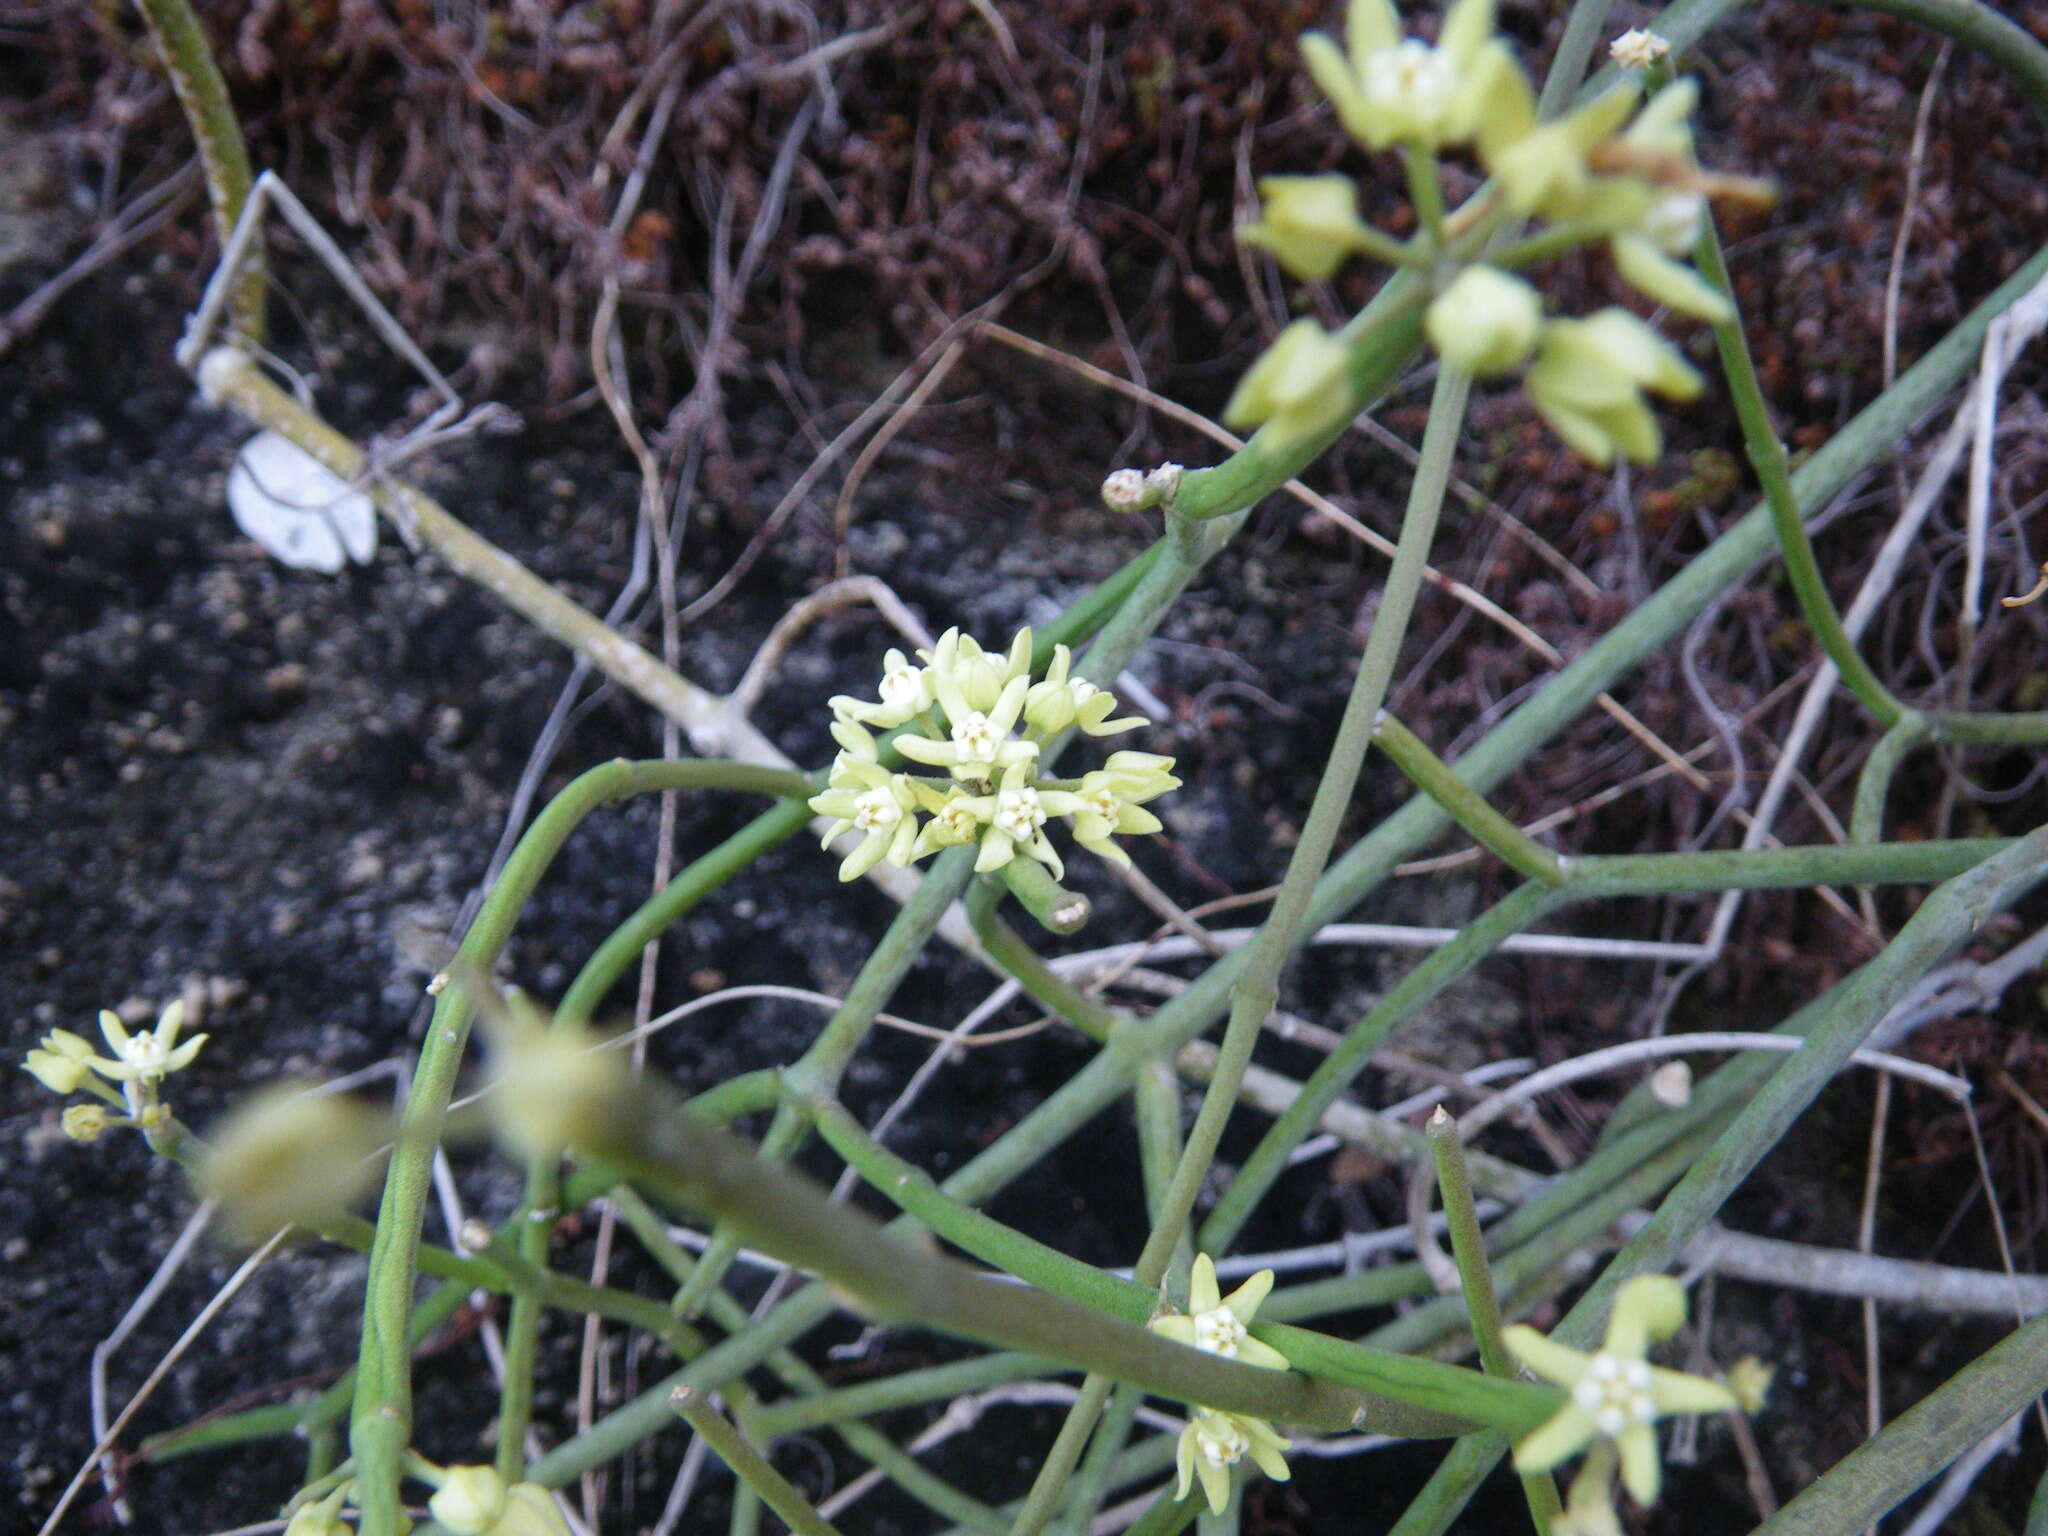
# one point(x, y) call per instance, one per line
point(906, 692)
point(1616, 1394)
point(979, 742)
point(150, 1056)
point(1213, 1442)
point(865, 797)
point(1217, 1323)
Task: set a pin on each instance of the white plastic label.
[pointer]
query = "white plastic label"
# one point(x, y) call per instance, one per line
point(299, 509)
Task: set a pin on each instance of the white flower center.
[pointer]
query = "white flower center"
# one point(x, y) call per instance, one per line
point(1080, 690)
point(1413, 77)
point(901, 689)
point(1615, 1393)
point(1673, 222)
point(1218, 1331)
point(1019, 815)
point(977, 737)
point(146, 1054)
point(1102, 802)
point(1223, 1443)
point(876, 811)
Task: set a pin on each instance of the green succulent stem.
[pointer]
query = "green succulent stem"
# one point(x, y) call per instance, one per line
point(749, 1465)
point(381, 1422)
point(1482, 1304)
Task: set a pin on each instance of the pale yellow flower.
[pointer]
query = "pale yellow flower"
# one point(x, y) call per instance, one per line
point(1297, 389)
point(1588, 382)
point(1390, 90)
point(1616, 1395)
point(1214, 1442)
point(1485, 322)
point(1309, 223)
point(1217, 1324)
point(148, 1056)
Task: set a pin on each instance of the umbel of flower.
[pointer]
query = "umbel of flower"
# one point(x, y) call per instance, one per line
point(1309, 223)
point(1588, 382)
point(1213, 1441)
point(1296, 390)
point(1485, 322)
point(66, 1063)
point(978, 716)
point(1390, 90)
point(1616, 1397)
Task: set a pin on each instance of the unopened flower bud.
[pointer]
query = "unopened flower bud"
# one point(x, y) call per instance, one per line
point(1638, 48)
point(1309, 223)
point(1750, 1380)
point(469, 1500)
point(1671, 1085)
point(1296, 389)
point(86, 1122)
point(1485, 322)
point(289, 1155)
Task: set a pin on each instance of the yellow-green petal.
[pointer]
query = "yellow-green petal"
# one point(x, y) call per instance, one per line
point(1648, 1309)
point(1547, 1358)
point(1255, 1352)
point(1641, 1473)
point(1204, 1295)
point(1244, 1301)
point(1649, 271)
point(1677, 1392)
point(1562, 1436)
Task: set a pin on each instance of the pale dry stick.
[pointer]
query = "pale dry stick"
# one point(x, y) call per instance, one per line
point(1634, 1052)
point(857, 472)
point(1384, 935)
point(103, 1352)
point(243, 245)
point(1119, 1518)
point(1866, 1240)
point(145, 214)
point(833, 597)
point(802, 486)
point(1916, 160)
point(842, 47)
point(1470, 596)
point(163, 1368)
point(1373, 1130)
point(1163, 906)
point(1851, 1273)
point(1960, 987)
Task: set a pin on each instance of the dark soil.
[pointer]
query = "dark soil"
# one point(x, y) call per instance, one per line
point(277, 792)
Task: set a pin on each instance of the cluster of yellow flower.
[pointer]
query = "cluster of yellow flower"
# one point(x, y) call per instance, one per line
point(977, 715)
point(1214, 1441)
point(1615, 1396)
point(130, 1079)
point(467, 1501)
point(1604, 172)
